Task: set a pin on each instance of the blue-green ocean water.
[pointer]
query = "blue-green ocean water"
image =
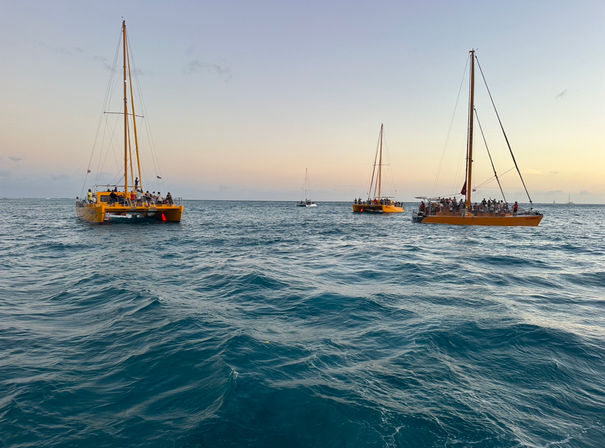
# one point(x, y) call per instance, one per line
point(264, 324)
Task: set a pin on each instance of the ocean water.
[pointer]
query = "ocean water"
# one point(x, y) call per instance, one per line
point(264, 324)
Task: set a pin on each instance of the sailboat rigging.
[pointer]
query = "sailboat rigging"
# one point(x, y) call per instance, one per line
point(376, 203)
point(486, 213)
point(307, 202)
point(109, 202)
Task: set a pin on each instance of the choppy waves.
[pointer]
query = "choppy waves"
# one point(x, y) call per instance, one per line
point(264, 324)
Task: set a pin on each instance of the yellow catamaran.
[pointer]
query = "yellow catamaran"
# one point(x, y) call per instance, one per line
point(106, 203)
point(376, 203)
point(486, 213)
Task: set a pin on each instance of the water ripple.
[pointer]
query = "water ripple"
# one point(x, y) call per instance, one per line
point(263, 324)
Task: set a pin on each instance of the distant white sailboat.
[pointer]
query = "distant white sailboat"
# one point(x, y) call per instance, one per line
point(307, 202)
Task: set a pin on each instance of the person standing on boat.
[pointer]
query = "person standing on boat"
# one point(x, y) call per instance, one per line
point(89, 196)
point(515, 208)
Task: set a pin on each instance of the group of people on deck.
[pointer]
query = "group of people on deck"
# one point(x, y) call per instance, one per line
point(381, 201)
point(132, 198)
point(139, 197)
point(451, 206)
point(136, 197)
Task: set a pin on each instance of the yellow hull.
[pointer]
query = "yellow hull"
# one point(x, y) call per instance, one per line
point(482, 220)
point(99, 213)
point(377, 208)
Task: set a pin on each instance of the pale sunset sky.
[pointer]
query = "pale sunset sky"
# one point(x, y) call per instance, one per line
point(241, 96)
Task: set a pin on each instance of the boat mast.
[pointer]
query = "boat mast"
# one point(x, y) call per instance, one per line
point(469, 153)
point(306, 184)
point(380, 165)
point(134, 123)
point(125, 113)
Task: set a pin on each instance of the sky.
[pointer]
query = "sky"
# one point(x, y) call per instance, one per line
point(241, 97)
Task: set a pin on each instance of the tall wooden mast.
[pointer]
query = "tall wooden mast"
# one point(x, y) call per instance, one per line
point(134, 123)
point(125, 113)
point(469, 153)
point(380, 165)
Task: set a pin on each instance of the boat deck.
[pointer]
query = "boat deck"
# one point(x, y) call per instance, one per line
point(377, 208)
point(484, 219)
point(102, 212)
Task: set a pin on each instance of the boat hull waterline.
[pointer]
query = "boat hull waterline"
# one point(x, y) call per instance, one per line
point(377, 208)
point(470, 220)
point(101, 213)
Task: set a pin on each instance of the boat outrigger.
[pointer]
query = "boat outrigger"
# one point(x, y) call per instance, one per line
point(376, 203)
point(486, 213)
point(108, 203)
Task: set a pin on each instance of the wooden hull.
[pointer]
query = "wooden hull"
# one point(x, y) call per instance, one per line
point(100, 213)
point(377, 208)
point(482, 220)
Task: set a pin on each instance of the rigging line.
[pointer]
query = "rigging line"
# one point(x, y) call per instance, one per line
point(103, 153)
point(122, 113)
point(490, 179)
point(105, 101)
point(387, 175)
point(449, 131)
point(113, 80)
point(489, 154)
point(469, 134)
point(374, 171)
point(112, 147)
point(504, 132)
point(147, 124)
point(486, 181)
point(130, 156)
point(134, 123)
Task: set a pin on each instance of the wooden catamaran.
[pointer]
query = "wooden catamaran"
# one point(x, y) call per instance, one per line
point(128, 202)
point(486, 213)
point(307, 202)
point(376, 203)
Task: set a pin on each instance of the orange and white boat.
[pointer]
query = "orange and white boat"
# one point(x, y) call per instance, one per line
point(128, 202)
point(486, 213)
point(376, 203)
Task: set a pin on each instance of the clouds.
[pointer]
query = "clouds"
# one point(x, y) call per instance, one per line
point(21, 183)
point(103, 60)
point(82, 53)
point(8, 173)
point(61, 50)
point(196, 66)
